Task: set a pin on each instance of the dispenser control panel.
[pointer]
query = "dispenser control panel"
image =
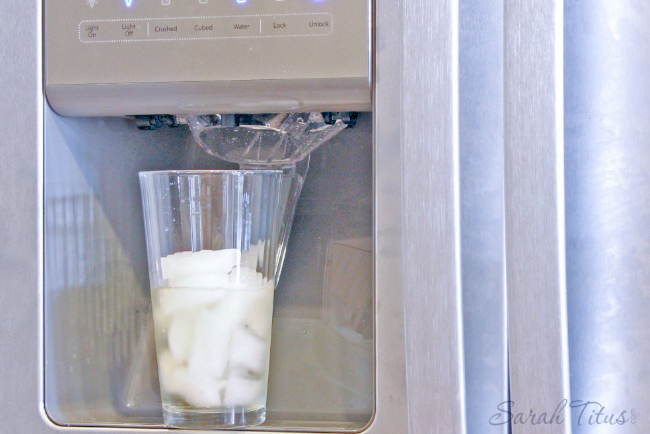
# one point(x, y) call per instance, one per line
point(174, 41)
point(206, 28)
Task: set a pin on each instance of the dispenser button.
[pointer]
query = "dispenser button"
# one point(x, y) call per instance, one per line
point(90, 31)
point(318, 25)
point(205, 28)
point(278, 26)
point(129, 30)
point(242, 26)
point(164, 29)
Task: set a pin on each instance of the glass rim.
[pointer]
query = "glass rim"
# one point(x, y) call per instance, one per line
point(211, 172)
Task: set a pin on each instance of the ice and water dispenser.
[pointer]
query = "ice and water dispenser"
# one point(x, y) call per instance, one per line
point(123, 80)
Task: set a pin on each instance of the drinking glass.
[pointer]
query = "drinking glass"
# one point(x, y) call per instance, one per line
point(214, 243)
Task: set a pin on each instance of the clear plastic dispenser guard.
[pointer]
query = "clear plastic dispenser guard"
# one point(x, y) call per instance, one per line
point(271, 141)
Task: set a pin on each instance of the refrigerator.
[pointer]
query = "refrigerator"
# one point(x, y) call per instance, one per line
point(486, 219)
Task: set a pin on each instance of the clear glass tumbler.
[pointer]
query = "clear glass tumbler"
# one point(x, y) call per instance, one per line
point(213, 243)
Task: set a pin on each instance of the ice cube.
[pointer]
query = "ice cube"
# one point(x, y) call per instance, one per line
point(260, 312)
point(166, 373)
point(245, 278)
point(201, 391)
point(174, 300)
point(248, 351)
point(244, 391)
point(205, 261)
point(179, 335)
point(208, 351)
point(233, 307)
point(198, 390)
point(202, 280)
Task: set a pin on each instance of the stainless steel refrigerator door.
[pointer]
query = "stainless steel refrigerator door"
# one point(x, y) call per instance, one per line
point(534, 215)
point(420, 110)
point(432, 297)
point(20, 109)
point(22, 149)
point(607, 136)
point(482, 229)
point(453, 187)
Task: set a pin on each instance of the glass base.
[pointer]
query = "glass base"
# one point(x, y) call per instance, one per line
point(232, 417)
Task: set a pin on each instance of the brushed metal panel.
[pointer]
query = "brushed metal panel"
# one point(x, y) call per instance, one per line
point(19, 208)
point(607, 109)
point(535, 213)
point(391, 400)
point(430, 201)
point(482, 219)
